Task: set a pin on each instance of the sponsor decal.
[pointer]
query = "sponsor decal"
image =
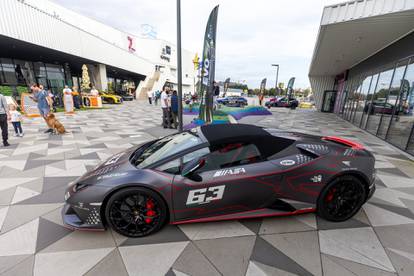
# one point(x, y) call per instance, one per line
point(229, 172)
point(105, 176)
point(205, 195)
point(287, 162)
point(114, 159)
point(81, 206)
point(316, 178)
point(346, 163)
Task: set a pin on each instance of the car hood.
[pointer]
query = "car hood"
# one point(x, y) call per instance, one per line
point(117, 165)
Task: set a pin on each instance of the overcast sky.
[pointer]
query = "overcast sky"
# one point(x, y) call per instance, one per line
point(251, 34)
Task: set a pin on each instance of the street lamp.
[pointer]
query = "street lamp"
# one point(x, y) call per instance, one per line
point(179, 69)
point(277, 77)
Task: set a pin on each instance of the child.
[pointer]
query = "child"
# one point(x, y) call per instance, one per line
point(16, 119)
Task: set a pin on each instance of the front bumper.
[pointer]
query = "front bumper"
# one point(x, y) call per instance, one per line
point(85, 217)
point(371, 188)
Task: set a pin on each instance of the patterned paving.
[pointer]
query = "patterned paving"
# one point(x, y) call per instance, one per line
point(34, 172)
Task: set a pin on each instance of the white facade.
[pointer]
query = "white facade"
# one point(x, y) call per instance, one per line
point(46, 24)
point(351, 32)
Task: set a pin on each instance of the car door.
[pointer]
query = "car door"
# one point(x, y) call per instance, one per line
point(233, 179)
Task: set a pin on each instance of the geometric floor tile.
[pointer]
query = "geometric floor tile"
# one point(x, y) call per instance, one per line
point(7, 183)
point(170, 233)
point(359, 220)
point(78, 240)
point(258, 269)
point(300, 247)
point(403, 264)
point(49, 233)
point(397, 237)
point(265, 253)
point(20, 214)
point(382, 217)
point(359, 245)
point(25, 268)
point(285, 225)
point(230, 256)
point(6, 196)
point(22, 194)
point(7, 263)
point(252, 224)
point(68, 262)
point(151, 259)
point(214, 230)
point(3, 213)
point(112, 264)
point(20, 241)
point(193, 262)
point(330, 267)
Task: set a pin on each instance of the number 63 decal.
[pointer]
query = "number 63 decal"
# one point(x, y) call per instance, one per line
point(199, 196)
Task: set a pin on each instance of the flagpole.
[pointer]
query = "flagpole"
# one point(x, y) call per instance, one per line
point(179, 69)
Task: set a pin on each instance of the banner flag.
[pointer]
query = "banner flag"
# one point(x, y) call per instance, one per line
point(290, 86)
point(208, 68)
point(226, 86)
point(263, 86)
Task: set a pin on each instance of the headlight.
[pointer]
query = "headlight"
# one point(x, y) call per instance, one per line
point(78, 186)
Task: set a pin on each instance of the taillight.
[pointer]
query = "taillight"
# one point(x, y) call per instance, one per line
point(343, 141)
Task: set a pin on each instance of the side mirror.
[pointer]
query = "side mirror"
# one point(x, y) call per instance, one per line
point(192, 167)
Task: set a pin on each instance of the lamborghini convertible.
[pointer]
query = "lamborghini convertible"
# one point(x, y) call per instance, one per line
point(221, 172)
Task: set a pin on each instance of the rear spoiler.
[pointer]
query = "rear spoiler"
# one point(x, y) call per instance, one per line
point(344, 142)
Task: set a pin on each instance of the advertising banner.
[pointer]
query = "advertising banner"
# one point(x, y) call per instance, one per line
point(208, 68)
point(263, 86)
point(29, 106)
point(290, 86)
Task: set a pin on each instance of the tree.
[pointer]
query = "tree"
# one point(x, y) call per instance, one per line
point(86, 82)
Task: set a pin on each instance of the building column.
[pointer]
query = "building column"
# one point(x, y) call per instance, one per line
point(101, 80)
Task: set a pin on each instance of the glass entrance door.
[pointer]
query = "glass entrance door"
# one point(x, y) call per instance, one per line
point(328, 103)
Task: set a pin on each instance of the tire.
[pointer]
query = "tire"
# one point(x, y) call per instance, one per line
point(135, 212)
point(332, 205)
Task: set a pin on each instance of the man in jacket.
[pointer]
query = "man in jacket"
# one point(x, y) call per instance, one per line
point(4, 118)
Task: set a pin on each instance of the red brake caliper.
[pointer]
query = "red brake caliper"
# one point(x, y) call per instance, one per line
point(330, 195)
point(150, 212)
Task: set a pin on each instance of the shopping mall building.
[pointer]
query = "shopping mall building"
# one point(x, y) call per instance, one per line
point(363, 67)
point(43, 42)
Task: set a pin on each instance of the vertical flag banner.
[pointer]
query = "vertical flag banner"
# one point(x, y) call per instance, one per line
point(290, 86)
point(263, 86)
point(226, 86)
point(208, 68)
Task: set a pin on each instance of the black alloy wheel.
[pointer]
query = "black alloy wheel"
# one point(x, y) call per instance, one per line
point(341, 199)
point(135, 212)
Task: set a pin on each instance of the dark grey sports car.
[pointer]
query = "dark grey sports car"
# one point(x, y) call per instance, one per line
point(221, 172)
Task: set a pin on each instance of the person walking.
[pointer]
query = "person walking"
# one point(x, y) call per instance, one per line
point(157, 96)
point(174, 108)
point(216, 94)
point(150, 94)
point(165, 105)
point(16, 120)
point(43, 103)
point(261, 97)
point(4, 118)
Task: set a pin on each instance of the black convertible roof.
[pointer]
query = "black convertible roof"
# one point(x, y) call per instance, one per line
point(220, 133)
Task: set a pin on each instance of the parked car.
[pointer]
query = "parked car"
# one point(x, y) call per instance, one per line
point(282, 102)
point(234, 101)
point(124, 95)
point(110, 98)
point(221, 172)
point(380, 107)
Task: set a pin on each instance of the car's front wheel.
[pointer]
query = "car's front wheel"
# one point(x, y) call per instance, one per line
point(135, 212)
point(341, 199)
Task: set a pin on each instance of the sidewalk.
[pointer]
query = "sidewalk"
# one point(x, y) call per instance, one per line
point(35, 170)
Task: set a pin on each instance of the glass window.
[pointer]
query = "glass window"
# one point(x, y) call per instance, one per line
point(167, 146)
point(230, 155)
point(55, 72)
point(403, 119)
point(389, 107)
point(376, 105)
point(9, 72)
point(355, 96)
point(346, 103)
point(368, 100)
point(174, 166)
point(360, 102)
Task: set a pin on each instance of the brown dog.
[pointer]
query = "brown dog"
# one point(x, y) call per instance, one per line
point(53, 123)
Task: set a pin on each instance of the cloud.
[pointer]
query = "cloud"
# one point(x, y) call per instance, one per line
point(251, 34)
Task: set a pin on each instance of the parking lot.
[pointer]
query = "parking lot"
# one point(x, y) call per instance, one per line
point(35, 170)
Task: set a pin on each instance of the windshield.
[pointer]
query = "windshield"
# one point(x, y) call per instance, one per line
point(166, 147)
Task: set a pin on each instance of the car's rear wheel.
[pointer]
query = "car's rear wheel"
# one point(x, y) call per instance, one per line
point(135, 212)
point(341, 199)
